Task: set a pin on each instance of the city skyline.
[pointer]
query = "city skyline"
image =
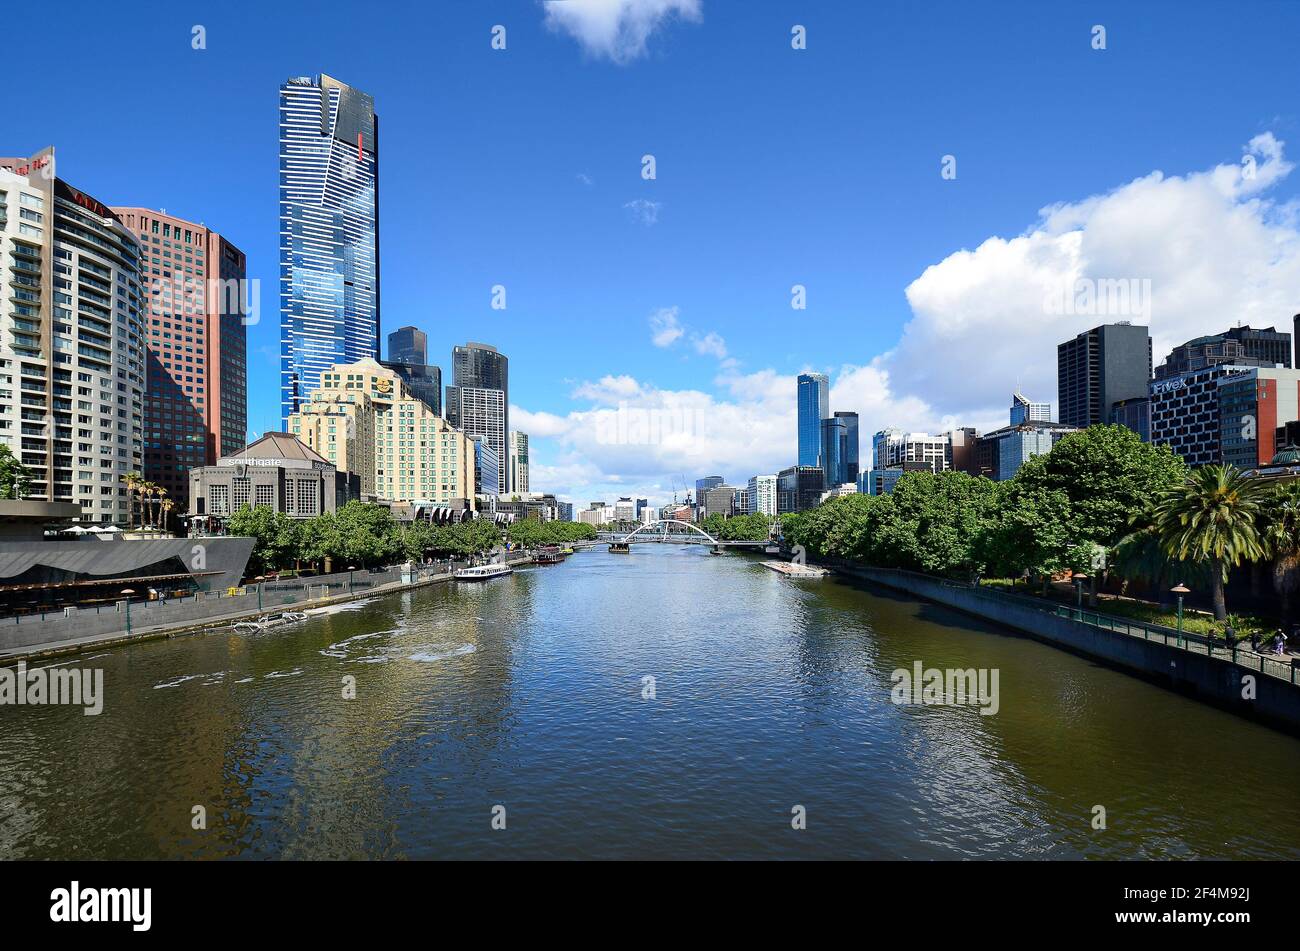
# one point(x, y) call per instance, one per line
point(942, 271)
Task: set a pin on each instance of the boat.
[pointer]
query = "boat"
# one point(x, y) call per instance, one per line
point(620, 548)
point(715, 551)
point(772, 550)
point(267, 621)
point(548, 555)
point(482, 572)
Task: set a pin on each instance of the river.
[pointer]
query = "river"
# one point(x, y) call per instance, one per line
point(525, 699)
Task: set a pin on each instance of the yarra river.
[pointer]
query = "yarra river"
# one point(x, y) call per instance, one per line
point(527, 692)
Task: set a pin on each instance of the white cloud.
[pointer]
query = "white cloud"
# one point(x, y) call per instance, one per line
point(616, 29)
point(1214, 249)
point(710, 344)
point(643, 211)
point(665, 328)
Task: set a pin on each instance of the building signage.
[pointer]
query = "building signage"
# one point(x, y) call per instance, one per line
point(1167, 386)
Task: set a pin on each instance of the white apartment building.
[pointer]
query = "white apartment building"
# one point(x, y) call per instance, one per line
point(890, 448)
point(71, 340)
point(760, 496)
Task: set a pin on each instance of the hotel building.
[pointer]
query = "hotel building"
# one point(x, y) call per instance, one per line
point(363, 418)
point(196, 396)
point(329, 232)
point(71, 340)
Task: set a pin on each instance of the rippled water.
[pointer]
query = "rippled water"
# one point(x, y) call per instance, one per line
point(526, 692)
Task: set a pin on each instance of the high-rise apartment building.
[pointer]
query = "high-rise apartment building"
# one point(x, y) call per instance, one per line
point(329, 232)
point(478, 402)
point(814, 406)
point(363, 418)
point(72, 347)
point(196, 377)
point(760, 497)
point(519, 462)
point(1098, 368)
point(408, 358)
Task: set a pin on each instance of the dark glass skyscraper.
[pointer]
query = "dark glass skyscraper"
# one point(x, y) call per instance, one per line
point(408, 357)
point(834, 443)
point(329, 232)
point(478, 402)
point(849, 450)
point(1099, 368)
point(814, 406)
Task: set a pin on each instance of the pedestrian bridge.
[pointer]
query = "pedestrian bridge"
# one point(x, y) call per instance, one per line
point(672, 531)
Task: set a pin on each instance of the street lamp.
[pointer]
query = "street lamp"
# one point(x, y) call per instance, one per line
point(1078, 593)
point(1180, 589)
point(351, 568)
point(127, 592)
point(260, 579)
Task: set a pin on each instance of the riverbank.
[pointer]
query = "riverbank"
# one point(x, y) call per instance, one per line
point(64, 635)
point(1239, 680)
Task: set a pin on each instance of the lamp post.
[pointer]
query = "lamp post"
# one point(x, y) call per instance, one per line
point(1180, 589)
point(351, 568)
point(260, 579)
point(1078, 593)
point(126, 593)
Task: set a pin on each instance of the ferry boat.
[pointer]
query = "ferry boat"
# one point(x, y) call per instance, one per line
point(482, 572)
point(620, 548)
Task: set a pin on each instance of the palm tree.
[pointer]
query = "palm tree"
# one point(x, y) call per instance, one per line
point(160, 492)
point(167, 506)
point(147, 490)
point(133, 481)
point(1281, 538)
point(1211, 519)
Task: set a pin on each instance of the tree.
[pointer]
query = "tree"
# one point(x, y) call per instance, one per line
point(1210, 518)
point(1280, 525)
point(15, 478)
point(1032, 533)
point(132, 481)
point(277, 536)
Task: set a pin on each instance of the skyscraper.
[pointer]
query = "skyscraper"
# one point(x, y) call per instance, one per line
point(408, 345)
point(329, 232)
point(72, 353)
point(814, 406)
point(408, 358)
point(518, 462)
point(1098, 368)
point(834, 443)
point(478, 402)
point(849, 451)
point(196, 400)
point(1025, 410)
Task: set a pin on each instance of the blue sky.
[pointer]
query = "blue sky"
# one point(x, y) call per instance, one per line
point(775, 167)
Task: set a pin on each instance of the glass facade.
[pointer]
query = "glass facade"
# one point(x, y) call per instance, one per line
point(849, 451)
point(814, 406)
point(329, 232)
point(834, 441)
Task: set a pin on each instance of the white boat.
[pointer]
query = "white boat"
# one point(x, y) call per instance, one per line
point(482, 572)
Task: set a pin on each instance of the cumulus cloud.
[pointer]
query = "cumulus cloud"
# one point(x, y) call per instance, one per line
point(665, 328)
point(1210, 247)
point(617, 30)
point(643, 211)
point(709, 344)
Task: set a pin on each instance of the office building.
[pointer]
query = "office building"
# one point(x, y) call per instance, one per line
point(363, 418)
point(799, 488)
point(708, 482)
point(760, 495)
point(1001, 453)
point(891, 448)
point(329, 232)
point(1239, 346)
point(625, 510)
point(408, 358)
point(540, 506)
point(834, 440)
point(408, 345)
point(1253, 406)
point(72, 350)
point(1135, 414)
point(1025, 410)
point(961, 447)
point(1185, 412)
point(478, 402)
point(814, 406)
point(487, 468)
point(196, 377)
point(849, 447)
point(1098, 368)
point(719, 500)
point(647, 515)
point(641, 506)
point(564, 511)
point(277, 472)
point(518, 467)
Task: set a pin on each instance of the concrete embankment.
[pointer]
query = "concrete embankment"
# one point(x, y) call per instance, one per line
point(76, 630)
point(1243, 682)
